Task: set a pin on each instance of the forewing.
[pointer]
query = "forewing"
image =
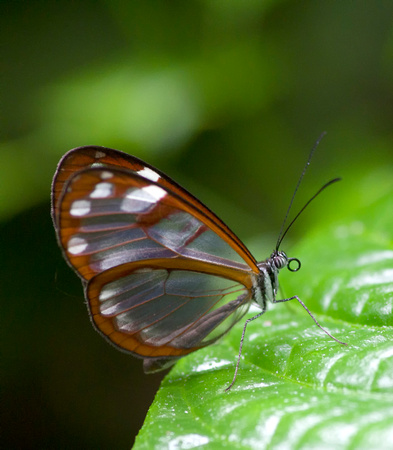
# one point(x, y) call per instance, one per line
point(161, 310)
point(109, 217)
point(83, 158)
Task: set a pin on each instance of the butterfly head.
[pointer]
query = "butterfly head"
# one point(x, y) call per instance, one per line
point(266, 286)
point(279, 259)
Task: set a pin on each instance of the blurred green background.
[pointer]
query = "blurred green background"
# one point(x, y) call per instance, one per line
point(225, 96)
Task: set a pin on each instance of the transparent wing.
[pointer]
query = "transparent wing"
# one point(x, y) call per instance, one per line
point(111, 217)
point(156, 311)
point(163, 276)
point(83, 158)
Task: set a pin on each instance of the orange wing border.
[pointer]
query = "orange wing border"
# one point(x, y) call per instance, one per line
point(130, 343)
point(82, 158)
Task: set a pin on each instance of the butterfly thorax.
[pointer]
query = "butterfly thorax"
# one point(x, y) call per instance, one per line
point(265, 285)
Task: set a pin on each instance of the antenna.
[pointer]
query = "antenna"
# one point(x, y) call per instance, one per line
point(304, 207)
point(282, 233)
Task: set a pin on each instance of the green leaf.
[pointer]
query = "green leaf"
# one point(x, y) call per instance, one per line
point(296, 387)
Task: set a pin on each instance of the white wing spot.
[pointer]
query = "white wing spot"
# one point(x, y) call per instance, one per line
point(99, 154)
point(139, 200)
point(106, 293)
point(105, 175)
point(149, 174)
point(154, 191)
point(102, 190)
point(80, 207)
point(76, 245)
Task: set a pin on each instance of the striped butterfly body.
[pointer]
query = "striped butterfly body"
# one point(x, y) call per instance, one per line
point(163, 276)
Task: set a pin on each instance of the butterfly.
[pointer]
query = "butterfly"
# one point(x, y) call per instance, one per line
point(163, 276)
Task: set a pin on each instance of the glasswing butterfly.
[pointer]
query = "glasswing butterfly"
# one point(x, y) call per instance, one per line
point(163, 276)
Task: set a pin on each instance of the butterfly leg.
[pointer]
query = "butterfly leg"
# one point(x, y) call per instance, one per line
point(309, 312)
point(241, 346)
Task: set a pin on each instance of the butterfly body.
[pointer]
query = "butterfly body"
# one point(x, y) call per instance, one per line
point(163, 275)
